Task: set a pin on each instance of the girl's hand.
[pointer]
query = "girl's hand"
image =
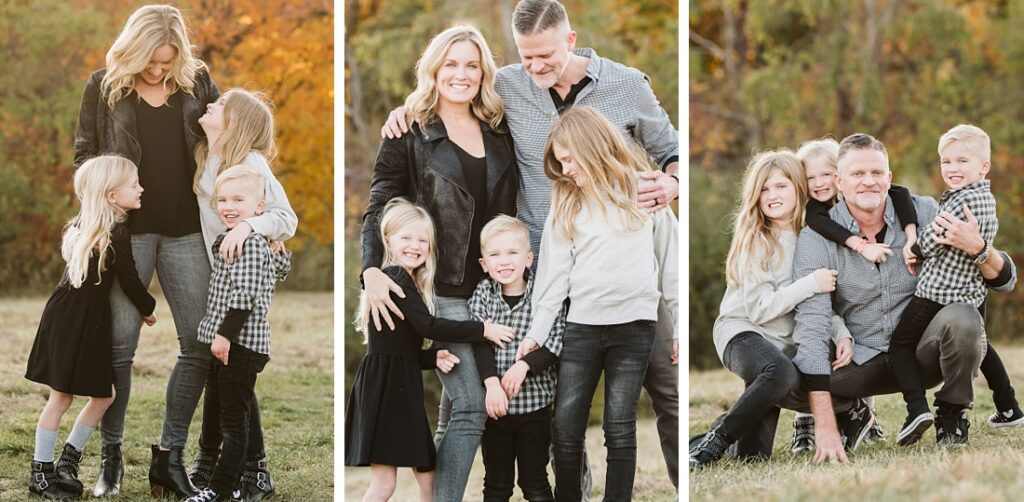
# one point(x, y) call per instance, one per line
point(498, 334)
point(220, 348)
point(496, 402)
point(446, 361)
point(908, 254)
point(150, 319)
point(377, 286)
point(277, 247)
point(876, 252)
point(844, 353)
point(826, 279)
point(512, 381)
point(231, 245)
point(525, 347)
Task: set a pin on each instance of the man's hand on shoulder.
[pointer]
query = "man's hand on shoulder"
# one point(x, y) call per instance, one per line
point(396, 124)
point(657, 190)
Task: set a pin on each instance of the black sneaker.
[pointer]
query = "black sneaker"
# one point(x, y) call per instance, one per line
point(1006, 419)
point(914, 428)
point(875, 434)
point(803, 435)
point(855, 424)
point(709, 449)
point(951, 427)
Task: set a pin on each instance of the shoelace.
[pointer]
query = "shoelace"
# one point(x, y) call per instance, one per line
point(710, 444)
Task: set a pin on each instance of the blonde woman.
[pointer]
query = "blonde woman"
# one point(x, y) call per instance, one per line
point(754, 330)
point(144, 105)
point(595, 226)
point(71, 353)
point(459, 164)
point(239, 129)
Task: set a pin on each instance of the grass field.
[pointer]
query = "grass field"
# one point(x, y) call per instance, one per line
point(296, 400)
point(988, 469)
point(651, 484)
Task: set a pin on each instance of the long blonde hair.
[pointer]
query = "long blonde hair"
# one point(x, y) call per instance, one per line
point(149, 28)
point(608, 163)
point(422, 104)
point(89, 231)
point(753, 235)
point(398, 213)
point(248, 127)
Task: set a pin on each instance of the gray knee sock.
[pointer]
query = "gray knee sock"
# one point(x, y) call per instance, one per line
point(46, 441)
point(79, 435)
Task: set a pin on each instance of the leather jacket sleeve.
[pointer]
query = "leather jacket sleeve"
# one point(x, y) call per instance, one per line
point(390, 179)
point(87, 133)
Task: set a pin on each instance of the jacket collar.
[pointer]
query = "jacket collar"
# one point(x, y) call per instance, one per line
point(445, 160)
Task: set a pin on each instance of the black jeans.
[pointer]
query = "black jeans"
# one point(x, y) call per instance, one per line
point(233, 387)
point(621, 352)
point(210, 437)
point(517, 439)
point(769, 376)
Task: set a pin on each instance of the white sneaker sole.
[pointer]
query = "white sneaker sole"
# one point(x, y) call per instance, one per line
point(1005, 425)
point(915, 431)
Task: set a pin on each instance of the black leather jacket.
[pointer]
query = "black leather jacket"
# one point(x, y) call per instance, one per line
point(423, 167)
point(102, 130)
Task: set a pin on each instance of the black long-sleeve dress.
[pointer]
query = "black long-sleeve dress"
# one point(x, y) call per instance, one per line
point(385, 422)
point(72, 349)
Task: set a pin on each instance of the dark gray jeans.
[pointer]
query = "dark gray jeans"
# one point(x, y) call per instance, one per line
point(184, 271)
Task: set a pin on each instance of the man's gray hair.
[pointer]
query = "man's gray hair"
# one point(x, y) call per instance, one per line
point(536, 16)
point(860, 141)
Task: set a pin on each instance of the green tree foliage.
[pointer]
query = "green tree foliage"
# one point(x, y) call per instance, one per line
point(776, 73)
point(383, 40)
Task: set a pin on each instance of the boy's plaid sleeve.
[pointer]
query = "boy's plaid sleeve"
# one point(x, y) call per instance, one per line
point(555, 337)
point(245, 277)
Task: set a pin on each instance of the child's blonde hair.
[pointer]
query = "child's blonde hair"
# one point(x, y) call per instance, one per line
point(825, 148)
point(398, 213)
point(974, 138)
point(148, 29)
point(608, 163)
point(248, 127)
point(250, 178)
point(89, 231)
point(423, 102)
point(501, 224)
point(753, 234)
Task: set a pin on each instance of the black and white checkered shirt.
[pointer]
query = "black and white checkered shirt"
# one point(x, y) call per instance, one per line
point(949, 275)
point(245, 284)
point(538, 390)
point(622, 94)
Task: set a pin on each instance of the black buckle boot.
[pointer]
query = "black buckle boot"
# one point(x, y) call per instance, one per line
point(167, 474)
point(256, 482)
point(202, 469)
point(66, 470)
point(111, 472)
point(42, 482)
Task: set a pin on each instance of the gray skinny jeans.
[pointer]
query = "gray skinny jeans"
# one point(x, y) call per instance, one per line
point(184, 271)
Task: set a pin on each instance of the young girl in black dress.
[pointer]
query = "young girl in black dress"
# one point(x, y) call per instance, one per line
point(72, 350)
point(385, 423)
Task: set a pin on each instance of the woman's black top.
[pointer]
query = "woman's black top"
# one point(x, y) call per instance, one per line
point(475, 171)
point(169, 206)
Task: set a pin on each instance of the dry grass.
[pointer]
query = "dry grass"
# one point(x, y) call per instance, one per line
point(295, 396)
point(989, 468)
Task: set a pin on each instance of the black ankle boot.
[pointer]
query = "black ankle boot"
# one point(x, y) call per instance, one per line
point(67, 470)
point(256, 483)
point(167, 474)
point(111, 472)
point(42, 482)
point(202, 470)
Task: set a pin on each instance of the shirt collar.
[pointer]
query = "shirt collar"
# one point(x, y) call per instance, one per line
point(841, 214)
point(495, 286)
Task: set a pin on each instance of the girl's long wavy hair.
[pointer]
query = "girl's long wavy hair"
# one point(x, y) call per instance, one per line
point(149, 28)
point(398, 213)
point(422, 104)
point(608, 164)
point(753, 235)
point(89, 231)
point(248, 127)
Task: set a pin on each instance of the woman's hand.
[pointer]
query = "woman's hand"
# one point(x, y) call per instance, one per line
point(876, 252)
point(220, 348)
point(525, 347)
point(277, 247)
point(826, 279)
point(231, 245)
point(150, 319)
point(498, 334)
point(446, 361)
point(378, 287)
point(844, 353)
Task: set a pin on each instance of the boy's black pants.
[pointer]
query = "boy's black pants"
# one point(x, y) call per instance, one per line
point(523, 439)
point(233, 387)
